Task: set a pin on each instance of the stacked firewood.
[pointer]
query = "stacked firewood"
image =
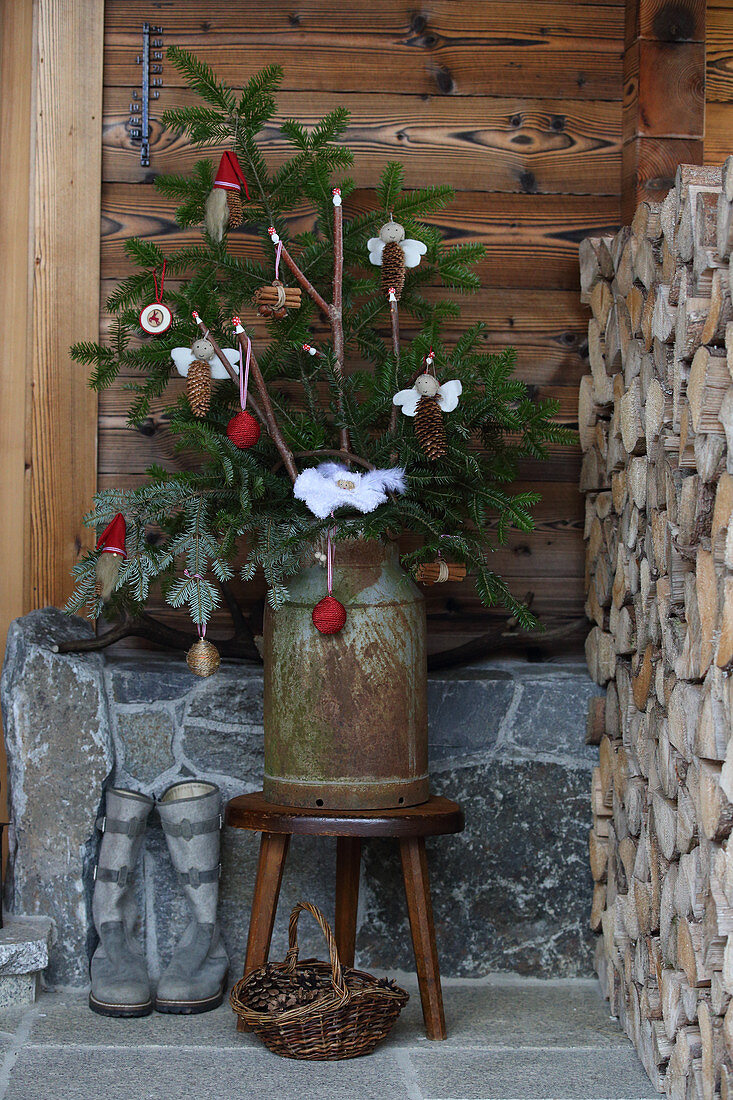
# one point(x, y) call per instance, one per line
point(656, 427)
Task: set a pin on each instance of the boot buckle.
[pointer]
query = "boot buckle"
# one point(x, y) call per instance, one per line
point(122, 875)
point(185, 829)
point(194, 878)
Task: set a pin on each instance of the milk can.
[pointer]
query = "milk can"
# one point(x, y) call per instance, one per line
point(346, 714)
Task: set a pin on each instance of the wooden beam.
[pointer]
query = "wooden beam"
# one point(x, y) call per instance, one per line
point(16, 27)
point(664, 96)
point(64, 219)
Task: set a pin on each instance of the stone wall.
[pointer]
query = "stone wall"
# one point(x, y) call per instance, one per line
point(511, 893)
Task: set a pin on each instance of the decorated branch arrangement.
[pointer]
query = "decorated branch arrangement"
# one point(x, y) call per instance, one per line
point(327, 424)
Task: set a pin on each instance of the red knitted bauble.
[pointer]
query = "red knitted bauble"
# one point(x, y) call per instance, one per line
point(243, 430)
point(329, 615)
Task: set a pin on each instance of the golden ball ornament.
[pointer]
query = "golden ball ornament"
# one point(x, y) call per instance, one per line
point(203, 658)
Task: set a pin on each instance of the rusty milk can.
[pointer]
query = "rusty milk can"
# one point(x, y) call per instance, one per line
point(346, 714)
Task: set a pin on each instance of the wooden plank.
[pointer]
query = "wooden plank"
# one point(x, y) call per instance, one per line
point(548, 329)
point(664, 86)
point(518, 231)
point(65, 235)
point(649, 167)
point(679, 21)
point(583, 19)
point(492, 144)
point(16, 19)
point(718, 132)
point(719, 84)
point(383, 48)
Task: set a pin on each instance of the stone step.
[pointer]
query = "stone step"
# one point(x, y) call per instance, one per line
point(509, 1039)
point(24, 948)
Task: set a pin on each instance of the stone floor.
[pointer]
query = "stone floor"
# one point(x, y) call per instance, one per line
point(509, 1038)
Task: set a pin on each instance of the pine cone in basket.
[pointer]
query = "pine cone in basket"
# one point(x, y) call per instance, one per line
point(272, 990)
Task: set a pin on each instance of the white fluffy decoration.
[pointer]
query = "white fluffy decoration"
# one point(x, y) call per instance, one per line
point(318, 487)
point(447, 396)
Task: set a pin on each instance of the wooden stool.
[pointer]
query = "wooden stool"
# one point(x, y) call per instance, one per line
point(410, 825)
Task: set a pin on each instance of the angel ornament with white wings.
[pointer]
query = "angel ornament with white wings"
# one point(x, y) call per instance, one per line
point(393, 253)
point(427, 400)
point(198, 365)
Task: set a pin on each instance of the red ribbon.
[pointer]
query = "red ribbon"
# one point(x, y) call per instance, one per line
point(159, 294)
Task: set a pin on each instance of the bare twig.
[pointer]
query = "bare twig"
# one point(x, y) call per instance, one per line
point(394, 317)
point(337, 320)
point(347, 456)
point(145, 626)
point(272, 426)
point(300, 278)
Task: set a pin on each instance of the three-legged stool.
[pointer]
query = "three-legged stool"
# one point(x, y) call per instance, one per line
point(410, 825)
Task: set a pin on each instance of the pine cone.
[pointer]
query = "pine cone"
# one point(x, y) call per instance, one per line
point(393, 269)
point(430, 429)
point(198, 387)
point(234, 203)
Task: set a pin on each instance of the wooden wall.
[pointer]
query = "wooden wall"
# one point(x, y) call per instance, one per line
point(719, 81)
point(517, 105)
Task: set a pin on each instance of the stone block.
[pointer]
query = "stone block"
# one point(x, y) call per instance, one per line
point(144, 743)
point(59, 750)
point(511, 892)
point(156, 679)
point(234, 696)
point(236, 752)
point(18, 989)
point(549, 716)
point(466, 712)
point(24, 945)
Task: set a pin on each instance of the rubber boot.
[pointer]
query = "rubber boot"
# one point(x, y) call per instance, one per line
point(195, 979)
point(120, 983)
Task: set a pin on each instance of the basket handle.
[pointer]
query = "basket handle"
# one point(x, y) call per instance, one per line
point(291, 959)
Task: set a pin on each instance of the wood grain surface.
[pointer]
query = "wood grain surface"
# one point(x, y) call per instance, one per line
point(517, 106)
point(436, 817)
point(719, 82)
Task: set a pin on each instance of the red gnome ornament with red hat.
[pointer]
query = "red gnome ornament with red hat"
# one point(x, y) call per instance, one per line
point(224, 204)
point(112, 544)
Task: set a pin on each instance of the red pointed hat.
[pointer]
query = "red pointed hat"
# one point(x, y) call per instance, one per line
point(112, 539)
point(230, 176)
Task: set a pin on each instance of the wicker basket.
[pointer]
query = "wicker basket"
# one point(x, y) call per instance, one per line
point(354, 1013)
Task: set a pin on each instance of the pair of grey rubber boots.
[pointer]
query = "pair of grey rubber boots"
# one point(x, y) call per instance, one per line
point(195, 979)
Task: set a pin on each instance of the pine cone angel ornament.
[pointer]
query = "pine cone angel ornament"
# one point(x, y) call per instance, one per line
point(427, 400)
point(393, 253)
point(203, 349)
point(224, 205)
point(198, 386)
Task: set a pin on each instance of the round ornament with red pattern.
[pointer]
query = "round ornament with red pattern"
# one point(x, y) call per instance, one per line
point(243, 430)
point(156, 317)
